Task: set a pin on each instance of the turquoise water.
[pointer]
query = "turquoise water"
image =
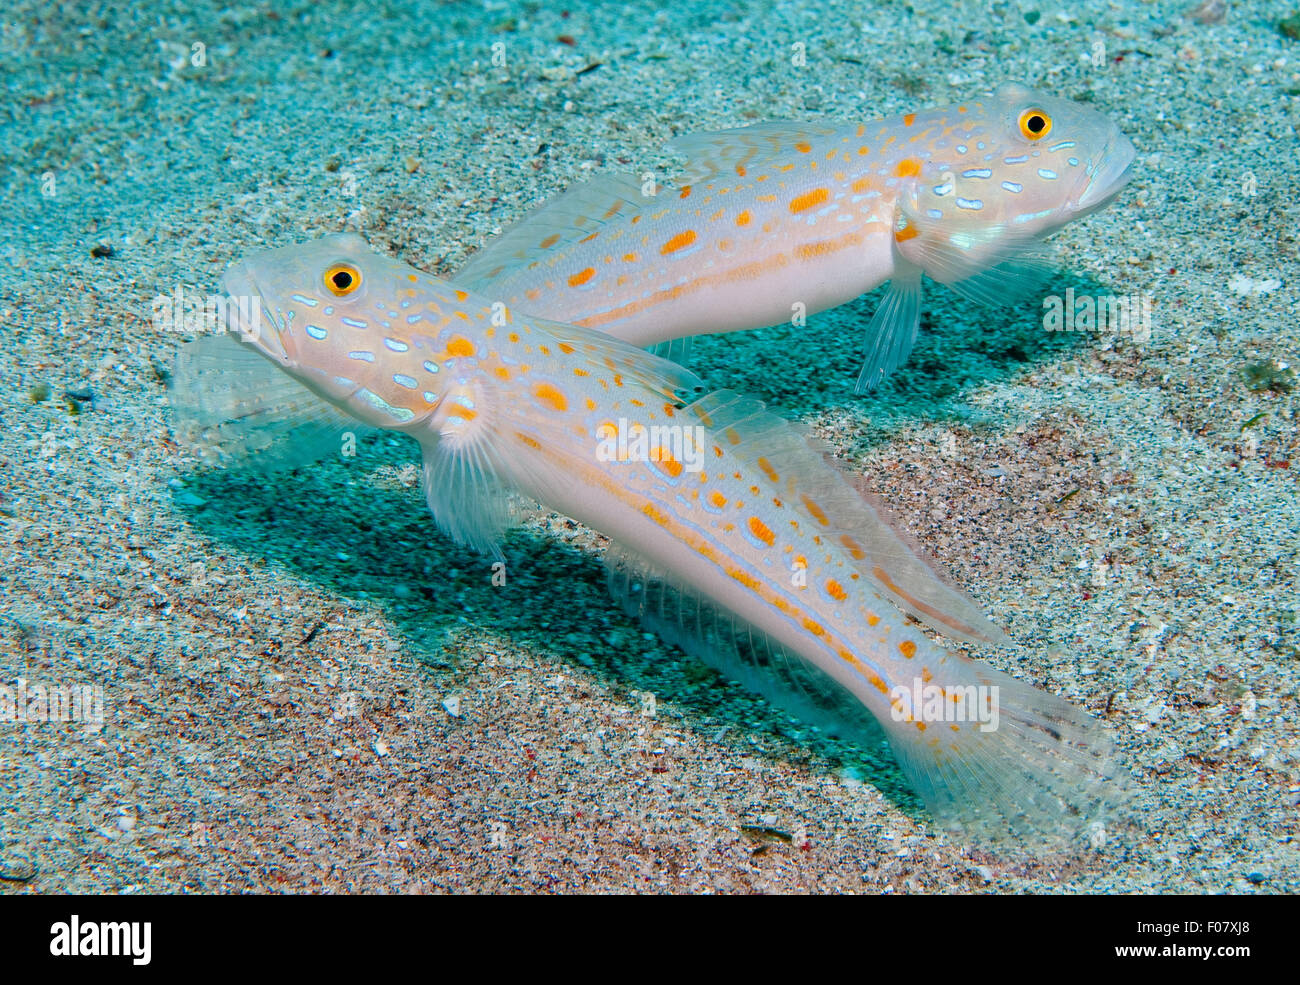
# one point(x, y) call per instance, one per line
point(1126, 508)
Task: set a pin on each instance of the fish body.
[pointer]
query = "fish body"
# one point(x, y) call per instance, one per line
point(780, 220)
point(739, 539)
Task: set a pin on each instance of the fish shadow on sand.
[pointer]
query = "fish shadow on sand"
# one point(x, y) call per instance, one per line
point(335, 526)
point(961, 345)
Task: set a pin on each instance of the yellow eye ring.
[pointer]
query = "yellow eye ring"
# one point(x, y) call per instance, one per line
point(1035, 124)
point(342, 279)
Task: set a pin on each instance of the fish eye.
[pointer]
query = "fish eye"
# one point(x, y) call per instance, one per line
point(342, 279)
point(1035, 124)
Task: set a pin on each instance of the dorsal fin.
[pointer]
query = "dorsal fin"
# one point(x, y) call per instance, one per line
point(710, 155)
point(571, 216)
point(800, 470)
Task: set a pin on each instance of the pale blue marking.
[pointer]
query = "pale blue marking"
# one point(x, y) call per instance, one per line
point(354, 323)
point(1074, 162)
point(1016, 160)
point(414, 319)
point(934, 213)
point(365, 357)
point(396, 345)
point(399, 414)
point(343, 381)
point(974, 204)
point(1013, 186)
point(401, 379)
point(329, 309)
point(1062, 145)
point(430, 397)
point(961, 148)
point(301, 299)
point(430, 367)
point(1031, 216)
point(316, 332)
point(1047, 173)
point(977, 173)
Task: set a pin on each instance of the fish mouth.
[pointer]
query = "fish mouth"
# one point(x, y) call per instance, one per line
point(247, 315)
point(1111, 176)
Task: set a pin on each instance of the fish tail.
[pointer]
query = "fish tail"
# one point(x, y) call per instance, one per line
point(1032, 768)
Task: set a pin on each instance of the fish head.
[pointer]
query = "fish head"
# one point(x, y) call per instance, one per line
point(328, 312)
point(1003, 174)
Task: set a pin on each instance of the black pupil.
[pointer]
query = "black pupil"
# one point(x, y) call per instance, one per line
point(1036, 123)
point(342, 280)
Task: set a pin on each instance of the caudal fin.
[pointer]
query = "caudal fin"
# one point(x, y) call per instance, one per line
point(1033, 768)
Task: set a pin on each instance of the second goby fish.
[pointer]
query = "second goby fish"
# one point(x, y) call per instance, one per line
point(777, 215)
point(741, 542)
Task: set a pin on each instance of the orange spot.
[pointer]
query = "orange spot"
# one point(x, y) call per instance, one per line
point(740, 170)
point(872, 619)
point(816, 511)
point(906, 233)
point(759, 529)
point(685, 192)
point(591, 404)
point(588, 239)
point(809, 200)
point(909, 119)
point(550, 241)
point(814, 627)
point(908, 167)
point(460, 346)
point(667, 462)
point(768, 471)
point(862, 185)
point(503, 372)
point(855, 549)
point(582, 276)
point(678, 242)
point(802, 146)
point(530, 442)
point(550, 395)
point(835, 590)
point(743, 218)
point(658, 516)
point(718, 500)
point(462, 297)
point(513, 336)
point(566, 348)
point(630, 257)
point(579, 371)
point(907, 648)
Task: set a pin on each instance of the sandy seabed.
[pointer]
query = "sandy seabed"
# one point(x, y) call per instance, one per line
point(306, 688)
